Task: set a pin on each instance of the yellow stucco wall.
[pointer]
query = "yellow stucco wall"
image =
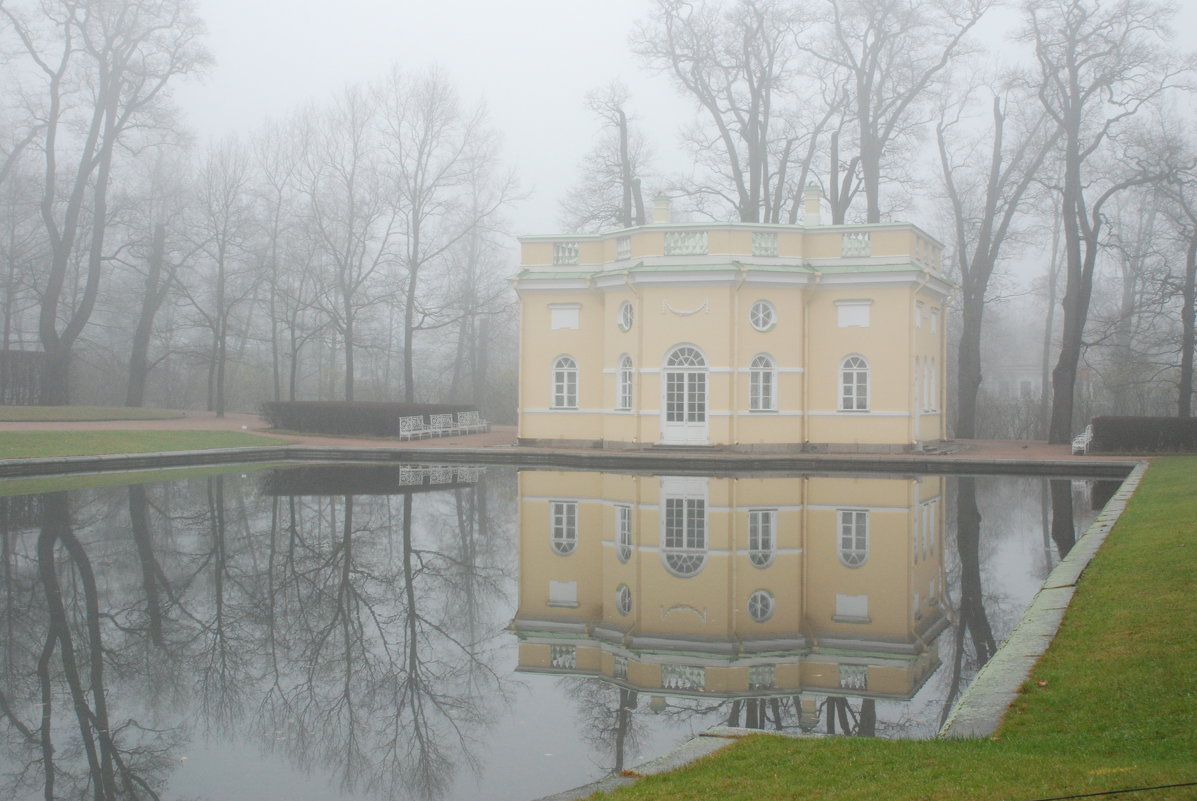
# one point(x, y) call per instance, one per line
point(704, 301)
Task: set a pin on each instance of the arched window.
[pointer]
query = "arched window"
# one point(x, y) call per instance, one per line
point(762, 315)
point(565, 383)
point(853, 527)
point(563, 526)
point(623, 394)
point(623, 529)
point(685, 386)
point(684, 538)
point(686, 356)
point(760, 605)
point(762, 381)
point(854, 384)
point(761, 540)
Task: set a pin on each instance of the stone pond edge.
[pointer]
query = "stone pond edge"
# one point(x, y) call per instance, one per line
point(981, 709)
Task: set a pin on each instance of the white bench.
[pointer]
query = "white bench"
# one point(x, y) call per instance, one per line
point(1081, 442)
point(441, 425)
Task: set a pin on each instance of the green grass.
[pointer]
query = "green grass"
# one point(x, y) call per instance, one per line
point(56, 414)
point(49, 444)
point(1112, 705)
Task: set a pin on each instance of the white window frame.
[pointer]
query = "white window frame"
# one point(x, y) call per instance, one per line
point(852, 536)
point(563, 527)
point(854, 383)
point(761, 605)
point(853, 313)
point(565, 316)
point(623, 532)
point(623, 599)
point(627, 316)
point(564, 383)
point(623, 384)
point(686, 387)
point(762, 536)
point(684, 526)
point(762, 384)
point(762, 315)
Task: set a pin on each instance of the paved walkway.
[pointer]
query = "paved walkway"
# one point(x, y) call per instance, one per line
point(498, 437)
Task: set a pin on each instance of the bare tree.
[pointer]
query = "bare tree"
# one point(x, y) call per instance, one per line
point(226, 278)
point(278, 153)
point(436, 154)
point(353, 214)
point(1184, 219)
point(104, 68)
point(610, 192)
point(1099, 66)
point(893, 52)
point(738, 63)
point(157, 209)
point(984, 197)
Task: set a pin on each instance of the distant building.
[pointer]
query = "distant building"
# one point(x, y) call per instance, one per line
point(736, 335)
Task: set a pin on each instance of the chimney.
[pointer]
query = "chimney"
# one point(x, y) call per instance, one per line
point(661, 212)
point(813, 201)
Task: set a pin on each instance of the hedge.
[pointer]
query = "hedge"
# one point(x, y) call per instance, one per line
point(352, 418)
point(1146, 434)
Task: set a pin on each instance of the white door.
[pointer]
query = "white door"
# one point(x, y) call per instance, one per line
point(684, 411)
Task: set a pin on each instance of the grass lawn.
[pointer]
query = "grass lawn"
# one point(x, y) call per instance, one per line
point(49, 444)
point(1111, 706)
point(55, 414)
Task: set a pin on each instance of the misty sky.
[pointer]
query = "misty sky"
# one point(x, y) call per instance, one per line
point(532, 61)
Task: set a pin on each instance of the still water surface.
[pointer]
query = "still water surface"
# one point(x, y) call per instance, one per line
point(440, 632)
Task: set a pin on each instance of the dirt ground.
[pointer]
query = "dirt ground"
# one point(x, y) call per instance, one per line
point(497, 437)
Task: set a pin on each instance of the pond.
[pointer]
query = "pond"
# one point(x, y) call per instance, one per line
point(337, 632)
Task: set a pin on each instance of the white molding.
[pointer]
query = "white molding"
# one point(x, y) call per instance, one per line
point(768, 413)
point(786, 370)
point(859, 413)
point(562, 411)
point(823, 507)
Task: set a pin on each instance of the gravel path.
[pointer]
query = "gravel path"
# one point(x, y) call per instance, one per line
point(497, 437)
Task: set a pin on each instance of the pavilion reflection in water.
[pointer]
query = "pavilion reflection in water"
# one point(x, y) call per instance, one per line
point(794, 593)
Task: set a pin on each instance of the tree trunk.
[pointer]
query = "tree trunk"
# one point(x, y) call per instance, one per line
point(1063, 525)
point(139, 367)
point(1188, 316)
point(1049, 326)
point(56, 374)
point(349, 333)
point(968, 383)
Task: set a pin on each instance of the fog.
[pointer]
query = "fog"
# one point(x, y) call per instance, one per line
point(248, 183)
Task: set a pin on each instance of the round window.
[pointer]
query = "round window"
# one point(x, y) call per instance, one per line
point(626, 315)
point(760, 606)
point(623, 599)
point(762, 315)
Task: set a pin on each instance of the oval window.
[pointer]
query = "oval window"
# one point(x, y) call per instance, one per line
point(762, 315)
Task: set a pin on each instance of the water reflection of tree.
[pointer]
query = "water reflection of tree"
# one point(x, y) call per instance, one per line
point(971, 617)
point(614, 719)
point(390, 689)
point(342, 632)
point(60, 630)
point(1063, 524)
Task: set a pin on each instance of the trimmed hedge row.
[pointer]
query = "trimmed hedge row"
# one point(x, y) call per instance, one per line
point(1149, 434)
point(355, 419)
